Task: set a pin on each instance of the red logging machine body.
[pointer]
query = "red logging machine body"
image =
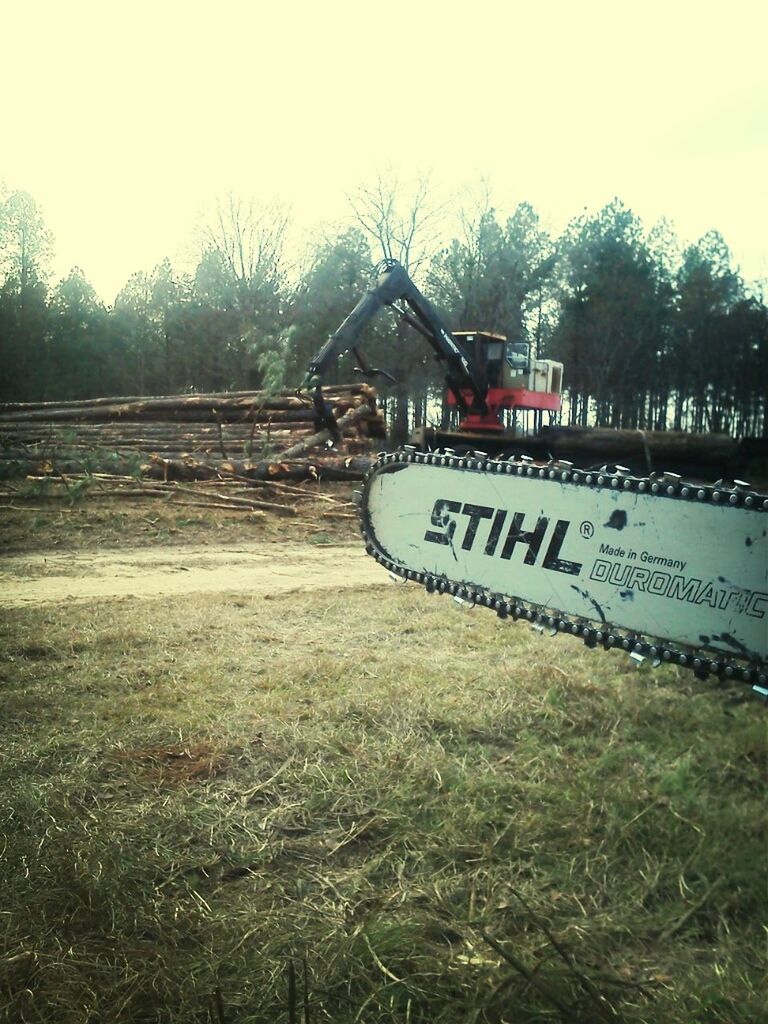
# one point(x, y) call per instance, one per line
point(515, 380)
point(486, 375)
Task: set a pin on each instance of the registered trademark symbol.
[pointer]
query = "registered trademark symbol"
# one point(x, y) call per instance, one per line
point(586, 529)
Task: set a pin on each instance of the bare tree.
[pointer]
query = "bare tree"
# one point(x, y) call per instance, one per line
point(249, 240)
point(243, 268)
point(404, 224)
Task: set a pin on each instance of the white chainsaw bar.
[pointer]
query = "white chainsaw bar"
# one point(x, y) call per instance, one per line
point(587, 553)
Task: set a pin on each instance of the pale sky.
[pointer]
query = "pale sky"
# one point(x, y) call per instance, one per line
point(125, 121)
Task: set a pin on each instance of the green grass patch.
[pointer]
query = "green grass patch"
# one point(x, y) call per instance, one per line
point(370, 807)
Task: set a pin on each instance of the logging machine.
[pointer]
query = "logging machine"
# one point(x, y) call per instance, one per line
point(661, 568)
point(486, 374)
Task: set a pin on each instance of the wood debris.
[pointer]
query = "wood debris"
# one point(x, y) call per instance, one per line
point(254, 438)
point(149, 447)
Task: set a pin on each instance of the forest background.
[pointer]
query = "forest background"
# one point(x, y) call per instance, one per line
point(652, 334)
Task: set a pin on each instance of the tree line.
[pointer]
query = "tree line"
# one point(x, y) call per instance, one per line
point(652, 335)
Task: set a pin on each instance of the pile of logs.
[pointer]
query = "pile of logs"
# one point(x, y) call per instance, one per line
point(245, 434)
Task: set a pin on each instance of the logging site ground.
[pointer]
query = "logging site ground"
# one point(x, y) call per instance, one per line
point(245, 777)
point(190, 569)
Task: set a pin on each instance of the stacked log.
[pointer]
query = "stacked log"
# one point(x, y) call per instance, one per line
point(220, 407)
point(589, 441)
point(349, 467)
point(645, 451)
point(178, 436)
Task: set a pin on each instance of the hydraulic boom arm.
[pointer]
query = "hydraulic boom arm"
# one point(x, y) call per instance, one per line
point(393, 285)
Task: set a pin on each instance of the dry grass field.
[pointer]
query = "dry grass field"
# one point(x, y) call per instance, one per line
point(353, 803)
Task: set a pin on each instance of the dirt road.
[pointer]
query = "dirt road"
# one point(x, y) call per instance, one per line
point(261, 569)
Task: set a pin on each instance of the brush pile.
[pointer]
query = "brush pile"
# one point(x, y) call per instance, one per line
point(252, 435)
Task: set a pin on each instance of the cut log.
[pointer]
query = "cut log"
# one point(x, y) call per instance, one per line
point(189, 437)
point(144, 428)
point(285, 394)
point(209, 408)
point(350, 468)
point(315, 440)
point(641, 450)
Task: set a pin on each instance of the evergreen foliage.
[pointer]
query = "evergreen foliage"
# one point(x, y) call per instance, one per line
point(652, 337)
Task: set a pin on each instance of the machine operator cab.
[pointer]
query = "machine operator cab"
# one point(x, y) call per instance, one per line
point(515, 380)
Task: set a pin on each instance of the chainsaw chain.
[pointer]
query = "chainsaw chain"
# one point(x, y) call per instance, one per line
point(668, 486)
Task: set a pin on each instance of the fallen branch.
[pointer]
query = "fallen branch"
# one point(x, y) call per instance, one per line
point(530, 977)
point(130, 492)
point(227, 508)
point(231, 501)
point(693, 909)
point(586, 983)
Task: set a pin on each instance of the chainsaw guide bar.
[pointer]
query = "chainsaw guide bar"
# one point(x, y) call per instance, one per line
point(663, 569)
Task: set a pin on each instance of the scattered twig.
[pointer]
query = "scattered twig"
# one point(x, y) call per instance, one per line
point(232, 501)
point(306, 991)
point(529, 976)
point(218, 1005)
point(586, 983)
point(384, 970)
point(249, 446)
point(693, 909)
point(187, 503)
point(292, 1001)
point(63, 479)
point(221, 436)
point(138, 491)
